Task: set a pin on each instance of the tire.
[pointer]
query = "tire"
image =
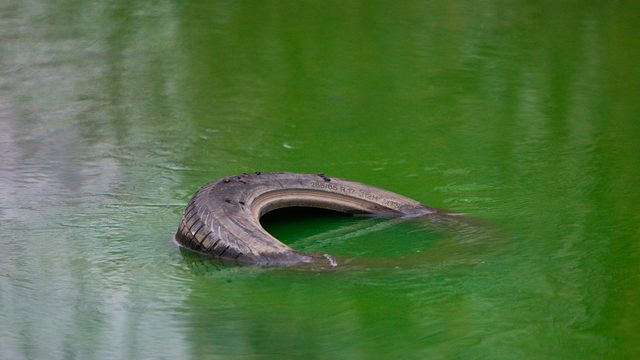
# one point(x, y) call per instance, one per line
point(222, 219)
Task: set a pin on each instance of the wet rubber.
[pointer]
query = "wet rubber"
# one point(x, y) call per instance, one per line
point(222, 219)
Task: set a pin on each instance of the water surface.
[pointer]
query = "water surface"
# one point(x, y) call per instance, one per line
point(523, 116)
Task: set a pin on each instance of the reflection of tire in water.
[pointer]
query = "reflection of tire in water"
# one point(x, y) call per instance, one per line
point(223, 217)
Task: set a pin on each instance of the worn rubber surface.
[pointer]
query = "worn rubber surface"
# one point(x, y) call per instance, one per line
point(223, 217)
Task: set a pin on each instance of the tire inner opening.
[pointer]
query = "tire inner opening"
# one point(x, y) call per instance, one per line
point(290, 223)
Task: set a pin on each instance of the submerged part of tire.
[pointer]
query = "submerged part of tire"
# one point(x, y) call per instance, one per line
point(223, 217)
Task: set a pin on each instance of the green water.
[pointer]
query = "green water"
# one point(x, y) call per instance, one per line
point(522, 115)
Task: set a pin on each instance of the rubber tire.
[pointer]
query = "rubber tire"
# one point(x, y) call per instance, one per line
point(222, 219)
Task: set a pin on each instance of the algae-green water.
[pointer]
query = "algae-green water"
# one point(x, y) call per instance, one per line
point(521, 115)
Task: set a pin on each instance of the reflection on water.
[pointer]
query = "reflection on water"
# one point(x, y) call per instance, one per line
point(112, 114)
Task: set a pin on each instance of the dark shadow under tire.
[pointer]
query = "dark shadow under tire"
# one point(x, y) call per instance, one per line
point(223, 218)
